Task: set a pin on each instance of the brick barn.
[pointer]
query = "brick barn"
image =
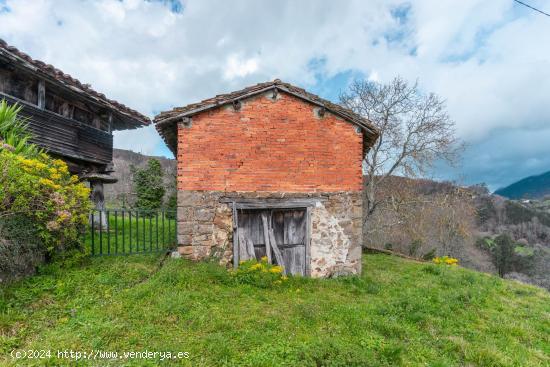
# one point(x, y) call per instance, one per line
point(270, 170)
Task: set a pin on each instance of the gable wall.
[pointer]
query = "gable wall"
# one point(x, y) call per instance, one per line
point(279, 145)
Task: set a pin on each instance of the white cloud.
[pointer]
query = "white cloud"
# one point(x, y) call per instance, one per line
point(487, 58)
point(374, 77)
point(238, 67)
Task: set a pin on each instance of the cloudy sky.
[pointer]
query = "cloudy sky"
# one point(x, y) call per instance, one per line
point(489, 59)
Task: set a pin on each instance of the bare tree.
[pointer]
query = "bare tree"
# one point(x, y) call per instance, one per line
point(422, 216)
point(415, 131)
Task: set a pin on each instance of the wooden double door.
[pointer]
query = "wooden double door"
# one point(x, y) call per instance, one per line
point(284, 241)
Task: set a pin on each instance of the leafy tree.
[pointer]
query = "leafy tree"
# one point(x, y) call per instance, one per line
point(148, 185)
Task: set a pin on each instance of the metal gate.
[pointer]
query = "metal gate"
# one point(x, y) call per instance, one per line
point(126, 231)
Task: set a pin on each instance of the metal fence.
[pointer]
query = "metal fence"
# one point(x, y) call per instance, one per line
point(126, 231)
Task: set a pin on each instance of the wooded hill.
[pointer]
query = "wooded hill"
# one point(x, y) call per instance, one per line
point(422, 218)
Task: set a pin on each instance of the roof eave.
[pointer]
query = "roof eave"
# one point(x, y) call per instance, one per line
point(22, 63)
point(171, 119)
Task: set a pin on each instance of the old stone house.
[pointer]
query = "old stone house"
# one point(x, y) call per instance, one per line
point(270, 170)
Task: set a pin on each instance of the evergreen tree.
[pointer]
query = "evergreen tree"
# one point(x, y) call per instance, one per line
point(503, 254)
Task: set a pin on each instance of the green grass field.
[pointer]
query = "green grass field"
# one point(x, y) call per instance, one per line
point(398, 313)
point(132, 233)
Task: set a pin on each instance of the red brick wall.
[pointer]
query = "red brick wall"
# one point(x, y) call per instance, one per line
point(277, 146)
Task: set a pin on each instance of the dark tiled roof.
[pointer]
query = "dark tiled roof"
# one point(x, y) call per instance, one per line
point(74, 84)
point(166, 121)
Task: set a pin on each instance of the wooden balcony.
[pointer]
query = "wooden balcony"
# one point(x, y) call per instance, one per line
point(63, 136)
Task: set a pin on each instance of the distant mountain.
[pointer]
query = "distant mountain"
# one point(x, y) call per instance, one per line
point(533, 187)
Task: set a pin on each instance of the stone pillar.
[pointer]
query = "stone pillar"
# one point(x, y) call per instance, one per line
point(195, 224)
point(99, 218)
point(97, 180)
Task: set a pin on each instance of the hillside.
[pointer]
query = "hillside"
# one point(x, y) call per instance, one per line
point(398, 313)
point(441, 218)
point(122, 191)
point(533, 187)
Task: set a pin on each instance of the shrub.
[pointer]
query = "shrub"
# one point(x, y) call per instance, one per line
point(429, 255)
point(43, 190)
point(258, 273)
point(21, 249)
point(414, 247)
point(148, 186)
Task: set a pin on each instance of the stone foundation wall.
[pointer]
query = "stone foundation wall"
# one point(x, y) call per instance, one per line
point(337, 235)
point(205, 228)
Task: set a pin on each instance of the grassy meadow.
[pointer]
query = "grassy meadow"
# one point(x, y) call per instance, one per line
point(398, 313)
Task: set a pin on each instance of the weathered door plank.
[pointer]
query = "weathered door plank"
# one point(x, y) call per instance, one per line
point(250, 248)
point(276, 251)
point(266, 237)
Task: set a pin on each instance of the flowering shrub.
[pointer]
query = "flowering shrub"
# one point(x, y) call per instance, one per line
point(445, 260)
point(259, 273)
point(42, 189)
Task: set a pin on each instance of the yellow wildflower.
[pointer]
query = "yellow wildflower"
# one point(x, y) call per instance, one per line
point(82, 191)
point(264, 259)
point(256, 266)
point(59, 163)
point(46, 182)
point(64, 169)
point(276, 269)
point(445, 260)
point(451, 261)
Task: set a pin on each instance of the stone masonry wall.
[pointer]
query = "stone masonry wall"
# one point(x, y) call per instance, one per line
point(205, 228)
point(337, 235)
